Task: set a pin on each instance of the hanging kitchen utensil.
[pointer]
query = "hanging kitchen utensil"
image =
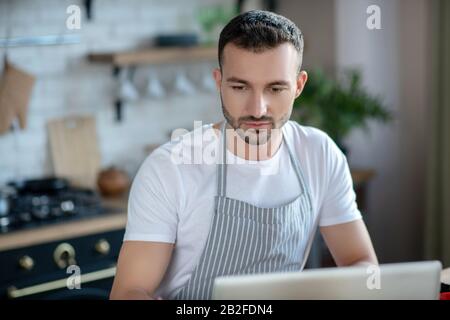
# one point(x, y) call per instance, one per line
point(74, 150)
point(155, 89)
point(16, 87)
point(182, 84)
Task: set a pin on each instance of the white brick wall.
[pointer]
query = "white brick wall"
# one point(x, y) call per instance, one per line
point(68, 84)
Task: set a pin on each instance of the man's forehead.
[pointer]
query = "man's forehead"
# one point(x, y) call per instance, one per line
point(276, 64)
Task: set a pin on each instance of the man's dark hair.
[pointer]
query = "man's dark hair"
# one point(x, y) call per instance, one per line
point(258, 31)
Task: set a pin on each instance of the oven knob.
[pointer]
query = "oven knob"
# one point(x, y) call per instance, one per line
point(64, 255)
point(102, 246)
point(26, 262)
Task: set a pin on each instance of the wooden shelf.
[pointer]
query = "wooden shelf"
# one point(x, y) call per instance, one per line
point(156, 56)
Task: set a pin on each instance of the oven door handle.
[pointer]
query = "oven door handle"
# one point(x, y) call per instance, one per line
point(14, 292)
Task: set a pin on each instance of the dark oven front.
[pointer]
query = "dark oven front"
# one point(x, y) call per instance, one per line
point(75, 268)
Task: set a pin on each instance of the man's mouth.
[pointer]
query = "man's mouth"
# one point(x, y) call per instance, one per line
point(258, 124)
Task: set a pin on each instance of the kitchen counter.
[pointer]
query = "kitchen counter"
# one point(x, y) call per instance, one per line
point(115, 220)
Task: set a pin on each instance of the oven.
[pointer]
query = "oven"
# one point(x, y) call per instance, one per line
point(58, 241)
point(72, 268)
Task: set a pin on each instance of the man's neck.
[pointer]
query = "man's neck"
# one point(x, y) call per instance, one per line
point(243, 150)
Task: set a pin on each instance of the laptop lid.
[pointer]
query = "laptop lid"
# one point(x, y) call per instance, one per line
point(409, 280)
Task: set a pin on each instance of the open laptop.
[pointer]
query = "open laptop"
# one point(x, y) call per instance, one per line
point(409, 280)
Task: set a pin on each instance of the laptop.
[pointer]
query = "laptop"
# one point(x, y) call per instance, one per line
point(404, 281)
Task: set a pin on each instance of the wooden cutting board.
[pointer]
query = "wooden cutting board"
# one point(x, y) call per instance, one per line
point(16, 87)
point(74, 149)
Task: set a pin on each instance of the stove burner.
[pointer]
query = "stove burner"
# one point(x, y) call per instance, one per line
point(56, 201)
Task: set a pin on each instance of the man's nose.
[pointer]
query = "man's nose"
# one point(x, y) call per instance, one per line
point(257, 106)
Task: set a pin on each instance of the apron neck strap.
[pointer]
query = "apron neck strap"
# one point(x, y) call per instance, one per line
point(222, 168)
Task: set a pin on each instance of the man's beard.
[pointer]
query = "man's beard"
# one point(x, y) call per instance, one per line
point(253, 136)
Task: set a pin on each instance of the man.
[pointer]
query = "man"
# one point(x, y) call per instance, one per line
point(257, 209)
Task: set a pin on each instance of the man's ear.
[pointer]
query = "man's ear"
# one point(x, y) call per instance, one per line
point(217, 74)
point(301, 81)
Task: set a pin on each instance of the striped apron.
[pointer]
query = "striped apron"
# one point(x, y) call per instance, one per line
point(246, 239)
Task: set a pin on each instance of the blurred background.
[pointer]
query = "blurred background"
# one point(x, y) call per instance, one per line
point(89, 88)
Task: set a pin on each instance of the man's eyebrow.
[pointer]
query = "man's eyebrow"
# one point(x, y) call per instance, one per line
point(279, 83)
point(273, 83)
point(234, 79)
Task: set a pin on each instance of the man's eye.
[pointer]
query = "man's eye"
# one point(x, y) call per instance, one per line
point(276, 90)
point(238, 88)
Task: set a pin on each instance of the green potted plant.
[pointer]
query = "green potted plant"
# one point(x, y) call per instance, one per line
point(212, 19)
point(337, 107)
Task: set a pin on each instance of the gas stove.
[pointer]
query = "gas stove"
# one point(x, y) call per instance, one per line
point(32, 203)
point(40, 268)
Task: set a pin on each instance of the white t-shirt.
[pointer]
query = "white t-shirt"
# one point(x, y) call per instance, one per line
point(174, 203)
